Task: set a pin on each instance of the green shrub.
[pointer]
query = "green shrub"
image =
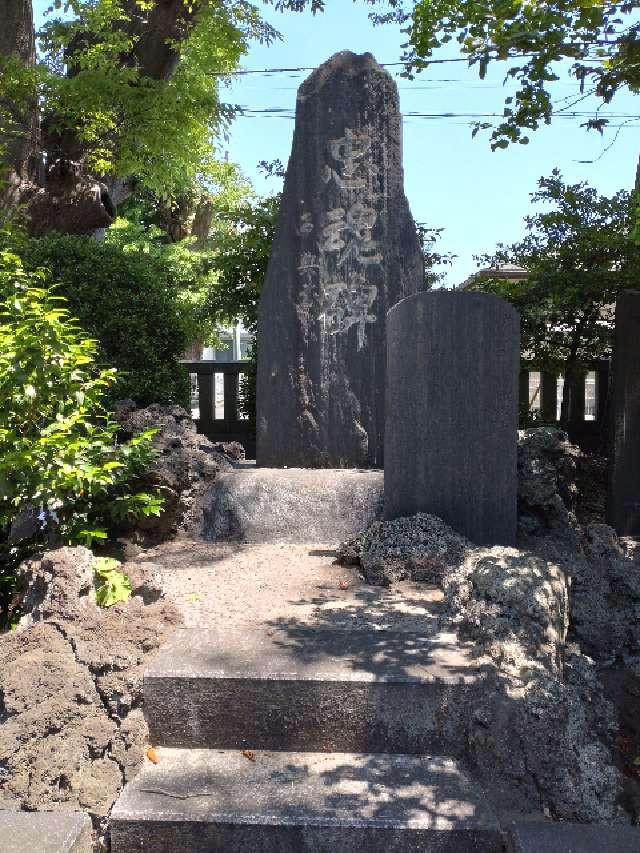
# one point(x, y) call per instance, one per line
point(60, 463)
point(128, 302)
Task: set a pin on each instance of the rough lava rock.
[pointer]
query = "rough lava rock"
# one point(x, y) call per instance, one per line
point(421, 548)
point(541, 732)
point(493, 594)
point(510, 602)
point(71, 688)
point(231, 449)
point(547, 471)
point(186, 467)
point(562, 502)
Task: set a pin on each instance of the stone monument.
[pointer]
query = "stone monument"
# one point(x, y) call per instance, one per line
point(452, 412)
point(345, 251)
point(623, 509)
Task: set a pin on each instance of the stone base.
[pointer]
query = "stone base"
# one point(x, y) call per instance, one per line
point(573, 838)
point(301, 688)
point(45, 832)
point(206, 801)
point(296, 505)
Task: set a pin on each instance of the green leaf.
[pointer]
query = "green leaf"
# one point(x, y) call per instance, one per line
point(115, 586)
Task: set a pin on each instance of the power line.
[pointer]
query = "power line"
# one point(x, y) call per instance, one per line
point(290, 111)
point(423, 63)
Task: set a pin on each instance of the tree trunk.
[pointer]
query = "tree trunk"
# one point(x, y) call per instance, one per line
point(19, 130)
point(55, 197)
point(573, 382)
point(201, 225)
point(572, 410)
point(61, 196)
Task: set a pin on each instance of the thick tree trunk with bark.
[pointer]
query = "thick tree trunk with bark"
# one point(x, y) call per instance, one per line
point(573, 378)
point(19, 134)
point(55, 191)
point(201, 225)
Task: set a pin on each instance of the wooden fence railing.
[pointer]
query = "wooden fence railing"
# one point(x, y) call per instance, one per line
point(230, 426)
point(591, 433)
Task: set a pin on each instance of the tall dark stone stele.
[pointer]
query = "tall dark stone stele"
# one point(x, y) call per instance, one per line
point(623, 508)
point(345, 251)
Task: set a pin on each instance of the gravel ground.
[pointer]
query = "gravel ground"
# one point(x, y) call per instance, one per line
point(214, 583)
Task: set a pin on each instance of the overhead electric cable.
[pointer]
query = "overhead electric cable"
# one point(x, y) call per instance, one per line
point(423, 63)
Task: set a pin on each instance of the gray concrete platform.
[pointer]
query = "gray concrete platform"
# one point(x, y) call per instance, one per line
point(299, 688)
point(537, 837)
point(45, 832)
point(295, 505)
point(209, 801)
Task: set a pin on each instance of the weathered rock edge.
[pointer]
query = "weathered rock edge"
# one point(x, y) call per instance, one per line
point(543, 736)
point(72, 730)
point(186, 466)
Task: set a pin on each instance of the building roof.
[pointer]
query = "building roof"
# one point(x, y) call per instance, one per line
point(508, 272)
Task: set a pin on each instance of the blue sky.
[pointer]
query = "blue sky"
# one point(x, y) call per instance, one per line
point(452, 181)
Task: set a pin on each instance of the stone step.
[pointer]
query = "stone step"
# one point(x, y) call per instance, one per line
point(45, 832)
point(293, 505)
point(299, 688)
point(209, 801)
point(544, 837)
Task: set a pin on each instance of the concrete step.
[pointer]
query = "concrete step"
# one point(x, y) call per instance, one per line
point(293, 505)
point(209, 801)
point(45, 832)
point(298, 688)
point(545, 837)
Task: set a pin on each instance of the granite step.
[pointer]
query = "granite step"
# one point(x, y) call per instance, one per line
point(45, 832)
point(299, 688)
point(293, 505)
point(545, 837)
point(210, 801)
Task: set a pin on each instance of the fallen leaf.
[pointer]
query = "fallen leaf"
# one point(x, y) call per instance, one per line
point(152, 755)
point(194, 597)
point(249, 754)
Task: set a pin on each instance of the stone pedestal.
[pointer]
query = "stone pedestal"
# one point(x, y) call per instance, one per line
point(452, 412)
point(345, 251)
point(623, 508)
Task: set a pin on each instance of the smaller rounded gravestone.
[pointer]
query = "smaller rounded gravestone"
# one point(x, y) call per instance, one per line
point(452, 412)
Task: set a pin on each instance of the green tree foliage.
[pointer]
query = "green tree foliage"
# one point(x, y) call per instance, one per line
point(580, 254)
point(131, 119)
point(242, 257)
point(600, 40)
point(62, 471)
point(130, 302)
point(242, 247)
point(433, 257)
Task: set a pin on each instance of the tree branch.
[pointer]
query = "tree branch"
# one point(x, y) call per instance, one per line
point(157, 33)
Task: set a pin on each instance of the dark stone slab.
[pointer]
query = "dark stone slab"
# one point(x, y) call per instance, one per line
point(300, 688)
point(293, 506)
point(574, 838)
point(452, 412)
point(345, 251)
point(207, 801)
point(45, 832)
point(623, 508)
